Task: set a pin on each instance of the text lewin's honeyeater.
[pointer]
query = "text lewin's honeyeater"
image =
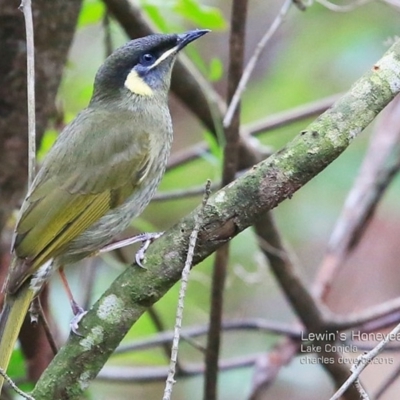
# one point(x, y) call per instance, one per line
point(102, 171)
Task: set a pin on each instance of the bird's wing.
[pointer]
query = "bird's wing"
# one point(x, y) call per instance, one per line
point(94, 166)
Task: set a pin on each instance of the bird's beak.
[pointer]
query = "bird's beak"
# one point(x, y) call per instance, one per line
point(185, 38)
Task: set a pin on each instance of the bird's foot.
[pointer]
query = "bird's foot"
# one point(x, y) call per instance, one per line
point(79, 313)
point(147, 239)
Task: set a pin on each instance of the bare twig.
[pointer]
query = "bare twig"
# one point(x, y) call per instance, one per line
point(108, 43)
point(392, 3)
point(230, 166)
point(257, 127)
point(364, 360)
point(373, 318)
point(46, 327)
point(151, 374)
point(343, 8)
point(14, 386)
point(182, 293)
point(183, 193)
point(290, 116)
point(256, 324)
point(253, 61)
point(268, 365)
point(387, 383)
point(361, 390)
point(26, 8)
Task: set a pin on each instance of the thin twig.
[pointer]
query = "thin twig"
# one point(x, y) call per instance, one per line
point(253, 324)
point(290, 116)
point(230, 167)
point(155, 374)
point(369, 319)
point(387, 383)
point(108, 43)
point(263, 125)
point(361, 390)
point(46, 327)
point(364, 360)
point(343, 8)
point(253, 61)
point(14, 386)
point(26, 8)
point(392, 3)
point(268, 365)
point(183, 193)
point(182, 293)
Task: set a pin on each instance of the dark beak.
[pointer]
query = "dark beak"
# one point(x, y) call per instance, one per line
point(187, 37)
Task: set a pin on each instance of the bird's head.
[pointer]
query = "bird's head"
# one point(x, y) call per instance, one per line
point(142, 67)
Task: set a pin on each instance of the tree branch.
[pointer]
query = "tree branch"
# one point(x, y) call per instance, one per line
point(230, 166)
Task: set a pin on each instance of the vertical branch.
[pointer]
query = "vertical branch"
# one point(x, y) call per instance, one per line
point(108, 42)
point(26, 8)
point(182, 293)
point(244, 79)
point(231, 153)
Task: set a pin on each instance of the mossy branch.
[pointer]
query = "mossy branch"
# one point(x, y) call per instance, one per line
point(230, 211)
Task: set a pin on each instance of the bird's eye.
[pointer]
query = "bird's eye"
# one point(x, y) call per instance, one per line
point(147, 59)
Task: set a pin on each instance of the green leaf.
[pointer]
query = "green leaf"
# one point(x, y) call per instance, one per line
point(156, 16)
point(201, 15)
point(216, 69)
point(17, 367)
point(91, 13)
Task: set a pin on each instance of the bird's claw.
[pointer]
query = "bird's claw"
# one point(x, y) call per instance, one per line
point(79, 313)
point(147, 239)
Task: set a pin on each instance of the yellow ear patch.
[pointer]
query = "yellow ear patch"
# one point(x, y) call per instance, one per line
point(137, 85)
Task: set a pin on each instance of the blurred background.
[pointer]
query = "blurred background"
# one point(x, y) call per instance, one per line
point(314, 54)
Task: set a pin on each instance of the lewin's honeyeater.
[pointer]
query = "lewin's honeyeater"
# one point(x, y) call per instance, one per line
point(101, 173)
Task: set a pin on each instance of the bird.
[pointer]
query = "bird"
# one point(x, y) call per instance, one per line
point(102, 171)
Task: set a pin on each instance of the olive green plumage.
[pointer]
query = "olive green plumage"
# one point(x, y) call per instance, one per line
point(101, 173)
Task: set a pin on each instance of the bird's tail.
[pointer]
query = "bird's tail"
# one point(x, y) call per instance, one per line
point(14, 311)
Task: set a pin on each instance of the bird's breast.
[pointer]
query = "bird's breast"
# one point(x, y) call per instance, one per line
point(158, 127)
